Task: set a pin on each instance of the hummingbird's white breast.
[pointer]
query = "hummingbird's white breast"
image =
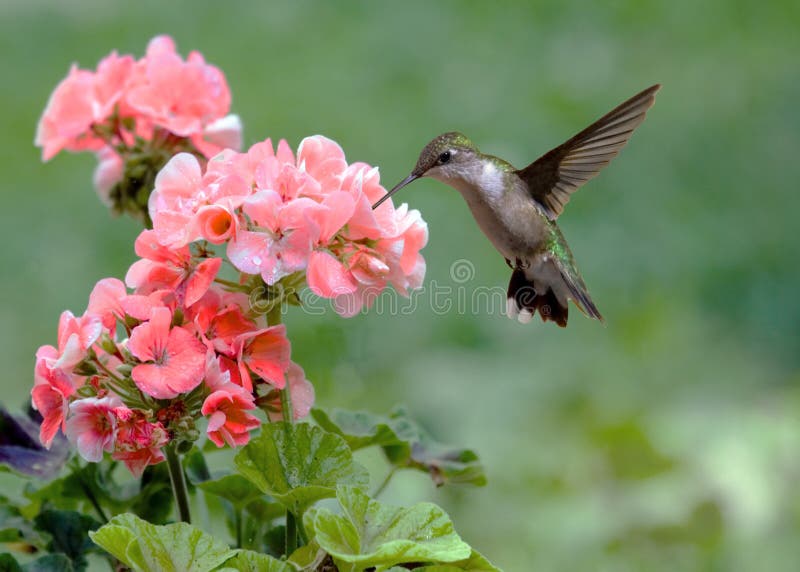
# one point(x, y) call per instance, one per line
point(501, 205)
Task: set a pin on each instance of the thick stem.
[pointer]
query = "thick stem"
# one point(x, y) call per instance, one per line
point(178, 481)
point(291, 533)
point(238, 516)
point(274, 318)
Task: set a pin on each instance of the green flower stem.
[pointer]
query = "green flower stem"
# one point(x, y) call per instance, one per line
point(178, 480)
point(273, 319)
point(238, 517)
point(77, 470)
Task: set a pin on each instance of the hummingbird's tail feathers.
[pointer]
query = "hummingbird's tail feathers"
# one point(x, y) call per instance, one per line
point(523, 301)
point(579, 295)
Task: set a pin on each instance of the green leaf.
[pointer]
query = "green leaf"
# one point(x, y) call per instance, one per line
point(370, 534)
point(299, 464)
point(67, 530)
point(363, 429)
point(249, 561)
point(475, 563)
point(170, 548)
point(9, 564)
point(50, 563)
point(155, 499)
point(405, 444)
point(234, 488)
point(308, 557)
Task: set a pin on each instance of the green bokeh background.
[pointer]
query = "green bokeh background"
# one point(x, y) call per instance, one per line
point(666, 440)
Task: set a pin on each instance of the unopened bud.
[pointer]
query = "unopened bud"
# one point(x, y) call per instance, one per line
point(108, 345)
point(125, 369)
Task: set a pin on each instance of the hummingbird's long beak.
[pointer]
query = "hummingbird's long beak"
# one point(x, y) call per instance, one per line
point(412, 177)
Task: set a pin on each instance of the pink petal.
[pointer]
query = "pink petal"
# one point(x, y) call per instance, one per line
point(327, 277)
point(201, 279)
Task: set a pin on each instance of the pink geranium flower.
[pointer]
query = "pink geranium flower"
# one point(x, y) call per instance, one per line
point(75, 337)
point(92, 426)
point(181, 96)
point(69, 114)
point(174, 358)
point(163, 268)
point(228, 420)
point(266, 353)
point(51, 392)
point(139, 441)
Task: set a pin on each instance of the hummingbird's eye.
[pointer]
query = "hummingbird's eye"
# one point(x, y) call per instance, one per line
point(444, 157)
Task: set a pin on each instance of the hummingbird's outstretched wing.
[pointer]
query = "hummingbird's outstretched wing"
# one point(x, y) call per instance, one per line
point(554, 176)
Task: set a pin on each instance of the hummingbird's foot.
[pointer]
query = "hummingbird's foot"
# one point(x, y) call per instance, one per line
point(521, 264)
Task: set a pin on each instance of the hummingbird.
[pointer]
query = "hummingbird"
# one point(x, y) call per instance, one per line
point(517, 209)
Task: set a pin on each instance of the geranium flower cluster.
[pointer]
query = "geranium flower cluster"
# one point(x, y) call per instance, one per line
point(180, 341)
point(278, 215)
point(136, 114)
point(189, 350)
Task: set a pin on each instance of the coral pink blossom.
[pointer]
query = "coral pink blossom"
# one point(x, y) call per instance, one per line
point(220, 319)
point(92, 426)
point(51, 390)
point(139, 441)
point(228, 421)
point(266, 353)
point(105, 301)
point(75, 336)
point(175, 358)
point(162, 268)
point(181, 96)
point(68, 116)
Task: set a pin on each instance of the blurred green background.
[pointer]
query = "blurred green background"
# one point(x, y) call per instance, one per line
point(667, 440)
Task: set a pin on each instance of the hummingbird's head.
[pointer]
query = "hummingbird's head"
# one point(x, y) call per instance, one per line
point(443, 158)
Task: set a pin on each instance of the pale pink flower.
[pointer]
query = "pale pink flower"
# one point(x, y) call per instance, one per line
point(92, 426)
point(109, 171)
point(224, 133)
point(75, 337)
point(69, 114)
point(264, 352)
point(284, 238)
point(324, 160)
point(181, 96)
point(175, 359)
point(181, 192)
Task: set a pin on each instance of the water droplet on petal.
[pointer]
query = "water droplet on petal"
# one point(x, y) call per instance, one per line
point(257, 260)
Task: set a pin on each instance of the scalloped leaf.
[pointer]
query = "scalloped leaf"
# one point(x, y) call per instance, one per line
point(167, 548)
point(67, 532)
point(234, 488)
point(298, 465)
point(249, 561)
point(370, 534)
point(405, 444)
point(475, 563)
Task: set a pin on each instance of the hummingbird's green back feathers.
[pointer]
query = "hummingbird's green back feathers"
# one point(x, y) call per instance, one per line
point(560, 172)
